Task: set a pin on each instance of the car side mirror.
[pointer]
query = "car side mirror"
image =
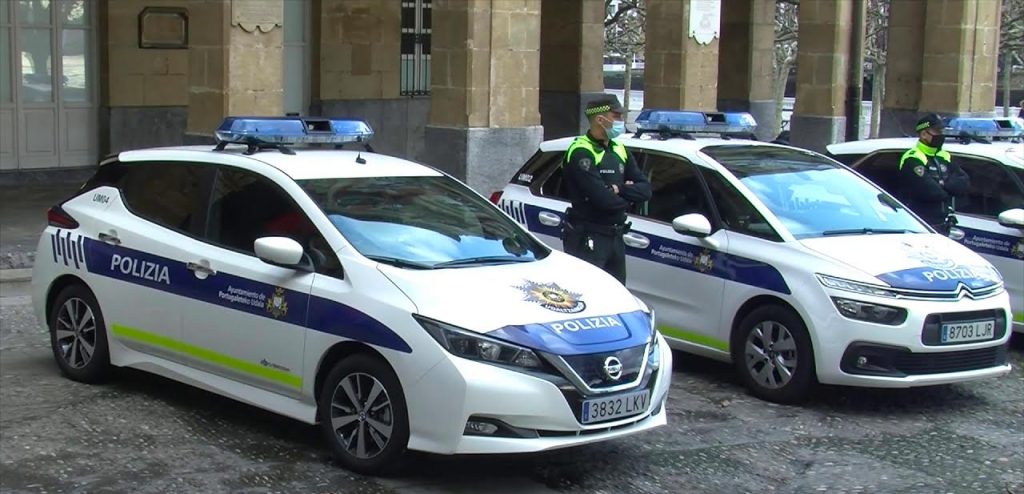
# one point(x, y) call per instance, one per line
point(1013, 218)
point(282, 251)
point(694, 225)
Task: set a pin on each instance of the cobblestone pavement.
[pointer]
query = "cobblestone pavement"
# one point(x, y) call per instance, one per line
point(142, 433)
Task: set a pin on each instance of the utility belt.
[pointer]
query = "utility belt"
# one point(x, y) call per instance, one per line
point(580, 226)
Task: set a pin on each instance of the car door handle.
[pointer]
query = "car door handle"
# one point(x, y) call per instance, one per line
point(203, 269)
point(110, 238)
point(636, 240)
point(549, 219)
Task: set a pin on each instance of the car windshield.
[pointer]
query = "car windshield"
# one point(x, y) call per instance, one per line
point(811, 195)
point(421, 222)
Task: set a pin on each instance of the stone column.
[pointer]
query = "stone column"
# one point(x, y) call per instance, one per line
point(360, 73)
point(942, 59)
point(679, 72)
point(745, 61)
point(484, 120)
point(232, 71)
point(571, 65)
point(819, 116)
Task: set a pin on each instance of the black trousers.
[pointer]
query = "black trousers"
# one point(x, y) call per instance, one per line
point(603, 249)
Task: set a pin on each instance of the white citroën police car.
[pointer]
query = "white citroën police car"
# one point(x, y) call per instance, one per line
point(786, 263)
point(990, 219)
point(381, 298)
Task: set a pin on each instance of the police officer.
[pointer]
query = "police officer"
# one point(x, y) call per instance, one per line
point(602, 180)
point(928, 180)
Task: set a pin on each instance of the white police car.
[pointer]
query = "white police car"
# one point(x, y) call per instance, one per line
point(991, 218)
point(381, 298)
point(786, 263)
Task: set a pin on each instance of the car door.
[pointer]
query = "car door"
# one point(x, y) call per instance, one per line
point(246, 320)
point(678, 275)
point(994, 188)
point(537, 199)
point(138, 253)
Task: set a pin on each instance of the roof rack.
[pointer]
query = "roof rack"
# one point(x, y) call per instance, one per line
point(685, 124)
point(985, 130)
point(262, 133)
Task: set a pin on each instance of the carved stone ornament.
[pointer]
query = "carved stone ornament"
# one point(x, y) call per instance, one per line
point(705, 20)
point(251, 15)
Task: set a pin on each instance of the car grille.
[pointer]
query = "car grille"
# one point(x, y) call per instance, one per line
point(939, 363)
point(961, 292)
point(590, 368)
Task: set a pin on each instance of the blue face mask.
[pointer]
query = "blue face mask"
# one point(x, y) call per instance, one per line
point(618, 128)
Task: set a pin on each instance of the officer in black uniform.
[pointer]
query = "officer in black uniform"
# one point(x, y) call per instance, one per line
point(929, 181)
point(602, 180)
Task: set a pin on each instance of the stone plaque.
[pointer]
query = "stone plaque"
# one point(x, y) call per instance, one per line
point(705, 20)
point(251, 15)
point(163, 27)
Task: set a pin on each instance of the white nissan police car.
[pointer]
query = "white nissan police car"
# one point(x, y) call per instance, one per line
point(381, 298)
point(990, 220)
point(786, 263)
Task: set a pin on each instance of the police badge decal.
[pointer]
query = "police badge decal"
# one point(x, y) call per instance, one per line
point(552, 297)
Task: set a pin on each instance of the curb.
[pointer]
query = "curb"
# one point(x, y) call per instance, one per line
point(15, 275)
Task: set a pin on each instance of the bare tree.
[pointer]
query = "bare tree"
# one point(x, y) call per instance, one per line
point(786, 30)
point(876, 43)
point(624, 36)
point(1011, 45)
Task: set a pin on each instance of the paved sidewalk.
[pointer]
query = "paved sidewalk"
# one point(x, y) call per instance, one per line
point(22, 217)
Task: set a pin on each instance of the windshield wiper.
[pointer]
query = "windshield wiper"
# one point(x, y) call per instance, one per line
point(402, 263)
point(481, 260)
point(861, 231)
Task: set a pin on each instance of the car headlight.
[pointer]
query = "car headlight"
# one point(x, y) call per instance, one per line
point(855, 286)
point(654, 356)
point(474, 346)
point(864, 311)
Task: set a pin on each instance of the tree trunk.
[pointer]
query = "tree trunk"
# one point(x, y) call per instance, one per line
point(1007, 69)
point(628, 83)
point(781, 77)
point(877, 96)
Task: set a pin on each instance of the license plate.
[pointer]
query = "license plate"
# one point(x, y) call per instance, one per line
point(968, 331)
point(600, 409)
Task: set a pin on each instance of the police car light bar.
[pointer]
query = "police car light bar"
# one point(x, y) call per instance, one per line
point(274, 132)
point(681, 123)
point(996, 128)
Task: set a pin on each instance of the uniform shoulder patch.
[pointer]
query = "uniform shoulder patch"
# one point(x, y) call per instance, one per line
point(585, 163)
point(919, 170)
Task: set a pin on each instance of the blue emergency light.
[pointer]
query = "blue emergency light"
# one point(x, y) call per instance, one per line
point(668, 123)
point(276, 132)
point(995, 128)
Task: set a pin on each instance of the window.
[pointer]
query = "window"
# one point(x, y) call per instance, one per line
point(545, 171)
point(415, 69)
point(993, 190)
point(236, 222)
point(884, 170)
point(737, 214)
point(169, 194)
point(676, 189)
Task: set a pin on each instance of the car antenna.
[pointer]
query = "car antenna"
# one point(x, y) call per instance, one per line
point(360, 159)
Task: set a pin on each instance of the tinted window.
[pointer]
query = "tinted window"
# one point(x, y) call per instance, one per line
point(883, 170)
point(423, 222)
point(537, 167)
point(245, 206)
point(737, 213)
point(170, 194)
point(811, 195)
point(993, 190)
point(546, 174)
point(676, 189)
point(846, 159)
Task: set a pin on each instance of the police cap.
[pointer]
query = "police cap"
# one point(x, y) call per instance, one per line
point(931, 121)
point(603, 105)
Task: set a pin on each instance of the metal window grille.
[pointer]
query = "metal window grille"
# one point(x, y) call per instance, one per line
point(415, 70)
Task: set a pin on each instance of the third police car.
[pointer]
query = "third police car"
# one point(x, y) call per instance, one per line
point(787, 263)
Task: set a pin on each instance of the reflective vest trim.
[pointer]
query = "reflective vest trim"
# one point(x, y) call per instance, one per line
point(583, 142)
point(920, 152)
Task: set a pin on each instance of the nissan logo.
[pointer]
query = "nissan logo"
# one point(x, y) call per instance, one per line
point(613, 368)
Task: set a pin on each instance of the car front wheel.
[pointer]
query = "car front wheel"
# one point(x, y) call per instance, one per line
point(78, 335)
point(772, 353)
point(363, 415)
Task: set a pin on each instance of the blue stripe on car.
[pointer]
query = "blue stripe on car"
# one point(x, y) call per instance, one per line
point(684, 256)
point(238, 293)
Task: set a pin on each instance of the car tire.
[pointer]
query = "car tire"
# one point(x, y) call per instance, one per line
point(772, 354)
point(363, 415)
point(78, 335)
